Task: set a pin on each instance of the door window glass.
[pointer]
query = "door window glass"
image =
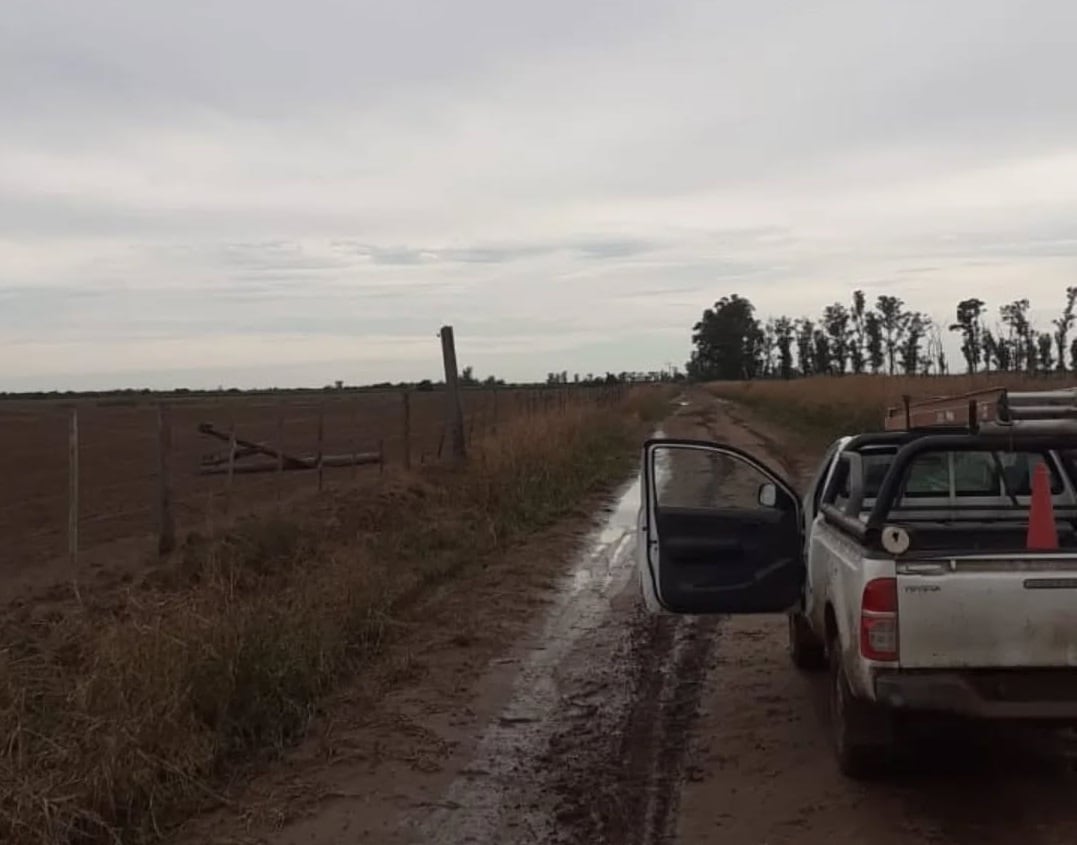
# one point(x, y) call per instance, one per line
point(703, 478)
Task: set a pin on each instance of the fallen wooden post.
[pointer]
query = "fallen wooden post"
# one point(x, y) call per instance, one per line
point(275, 460)
point(225, 457)
point(305, 463)
point(252, 448)
point(356, 459)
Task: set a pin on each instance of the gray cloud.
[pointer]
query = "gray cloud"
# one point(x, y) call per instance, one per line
point(318, 188)
point(584, 247)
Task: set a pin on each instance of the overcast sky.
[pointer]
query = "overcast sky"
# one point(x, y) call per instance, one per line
point(254, 192)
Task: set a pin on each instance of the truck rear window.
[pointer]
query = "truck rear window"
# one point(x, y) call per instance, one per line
point(975, 474)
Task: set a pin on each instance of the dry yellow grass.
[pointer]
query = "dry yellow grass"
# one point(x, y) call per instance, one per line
point(824, 407)
point(119, 715)
point(880, 391)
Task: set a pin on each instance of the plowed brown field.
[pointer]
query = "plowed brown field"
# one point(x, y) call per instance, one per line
point(118, 458)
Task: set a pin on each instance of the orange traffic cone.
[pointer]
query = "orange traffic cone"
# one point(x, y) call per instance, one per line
point(1042, 532)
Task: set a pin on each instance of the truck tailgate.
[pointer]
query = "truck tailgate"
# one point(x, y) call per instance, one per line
point(987, 612)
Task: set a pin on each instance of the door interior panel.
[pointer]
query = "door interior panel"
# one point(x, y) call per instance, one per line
point(730, 560)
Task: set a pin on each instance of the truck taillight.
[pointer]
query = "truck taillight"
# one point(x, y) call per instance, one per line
point(879, 620)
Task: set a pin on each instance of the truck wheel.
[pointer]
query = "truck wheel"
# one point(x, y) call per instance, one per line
point(860, 730)
point(805, 649)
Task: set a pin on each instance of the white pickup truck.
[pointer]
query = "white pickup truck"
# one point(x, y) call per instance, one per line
point(905, 568)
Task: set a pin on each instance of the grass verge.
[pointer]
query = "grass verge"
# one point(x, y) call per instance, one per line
point(814, 421)
point(124, 714)
point(818, 410)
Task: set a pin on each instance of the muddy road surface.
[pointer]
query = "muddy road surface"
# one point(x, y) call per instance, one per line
point(553, 709)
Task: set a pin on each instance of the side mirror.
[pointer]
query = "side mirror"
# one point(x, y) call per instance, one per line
point(768, 495)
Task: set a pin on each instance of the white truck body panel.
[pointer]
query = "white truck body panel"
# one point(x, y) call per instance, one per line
point(988, 613)
point(838, 572)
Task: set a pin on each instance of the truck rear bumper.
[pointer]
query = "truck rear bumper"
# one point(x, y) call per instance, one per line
point(1047, 694)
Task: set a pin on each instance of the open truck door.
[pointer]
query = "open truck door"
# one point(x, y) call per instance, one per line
point(720, 532)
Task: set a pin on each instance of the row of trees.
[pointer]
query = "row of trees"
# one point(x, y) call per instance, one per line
point(623, 377)
point(730, 343)
point(468, 379)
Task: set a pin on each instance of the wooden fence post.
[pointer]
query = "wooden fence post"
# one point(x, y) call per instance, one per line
point(321, 446)
point(406, 398)
point(73, 499)
point(231, 467)
point(166, 524)
point(280, 450)
point(355, 441)
point(452, 386)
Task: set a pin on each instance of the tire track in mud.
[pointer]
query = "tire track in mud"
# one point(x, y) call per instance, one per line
point(593, 747)
point(625, 787)
point(796, 467)
point(549, 768)
point(657, 737)
point(617, 777)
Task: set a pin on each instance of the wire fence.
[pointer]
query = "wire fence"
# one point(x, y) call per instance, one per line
point(87, 474)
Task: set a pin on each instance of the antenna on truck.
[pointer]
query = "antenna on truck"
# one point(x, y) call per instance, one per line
point(992, 410)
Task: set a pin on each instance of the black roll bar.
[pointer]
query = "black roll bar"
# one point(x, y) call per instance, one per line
point(896, 438)
point(1001, 441)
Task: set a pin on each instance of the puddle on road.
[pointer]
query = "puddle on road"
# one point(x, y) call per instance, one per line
point(490, 801)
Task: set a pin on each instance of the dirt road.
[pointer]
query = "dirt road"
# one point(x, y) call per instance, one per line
point(551, 709)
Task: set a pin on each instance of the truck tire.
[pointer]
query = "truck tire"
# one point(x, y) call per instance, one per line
point(805, 649)
point(860, 730)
